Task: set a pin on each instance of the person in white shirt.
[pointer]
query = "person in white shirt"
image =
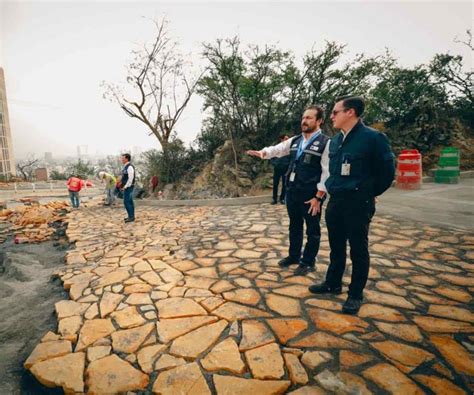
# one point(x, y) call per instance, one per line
point(306, 191)
point(127, 185)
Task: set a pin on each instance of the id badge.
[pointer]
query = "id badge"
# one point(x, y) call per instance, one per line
point(346, 169)
point(292, 176)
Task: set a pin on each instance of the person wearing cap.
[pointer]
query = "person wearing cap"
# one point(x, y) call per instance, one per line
point(109, 181)
point(306, 192)
point(361, 167)
point(280, 167)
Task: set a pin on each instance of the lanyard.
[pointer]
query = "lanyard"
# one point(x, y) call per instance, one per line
point(301, 148)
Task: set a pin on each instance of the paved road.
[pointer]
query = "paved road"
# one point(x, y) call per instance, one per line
point(439, 204)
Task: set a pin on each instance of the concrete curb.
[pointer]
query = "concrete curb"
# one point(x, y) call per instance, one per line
point(463, 175)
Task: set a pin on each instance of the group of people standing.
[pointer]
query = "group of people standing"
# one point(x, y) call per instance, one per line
point(353, 167)
point(112, 187)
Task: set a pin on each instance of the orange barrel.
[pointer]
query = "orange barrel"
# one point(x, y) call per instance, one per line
point(409, 170)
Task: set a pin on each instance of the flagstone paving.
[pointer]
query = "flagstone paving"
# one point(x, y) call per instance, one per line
point(192, 301)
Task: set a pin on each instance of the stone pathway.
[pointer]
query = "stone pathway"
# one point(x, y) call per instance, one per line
point(192, 301)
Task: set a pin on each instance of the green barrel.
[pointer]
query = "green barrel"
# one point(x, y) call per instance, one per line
point(448, 166)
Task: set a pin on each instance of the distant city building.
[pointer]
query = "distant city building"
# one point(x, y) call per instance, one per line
point(41, 174)
point(82, 151)
point(48, 156)
point(7, 162)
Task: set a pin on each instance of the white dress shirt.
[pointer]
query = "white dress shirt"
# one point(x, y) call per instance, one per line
point(283, 149)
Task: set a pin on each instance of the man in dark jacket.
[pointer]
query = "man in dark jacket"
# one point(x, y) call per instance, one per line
point(280, 167)
point(361, 167)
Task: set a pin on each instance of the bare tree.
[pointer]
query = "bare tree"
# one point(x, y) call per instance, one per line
point(161, 89)
point(26, 167)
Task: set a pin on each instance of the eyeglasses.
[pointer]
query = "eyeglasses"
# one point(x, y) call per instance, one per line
point(335, 112)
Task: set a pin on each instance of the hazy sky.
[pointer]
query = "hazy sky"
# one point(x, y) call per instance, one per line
point(56, 54)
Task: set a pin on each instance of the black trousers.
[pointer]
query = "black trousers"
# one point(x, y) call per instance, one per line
point(279, 174)
point(348, 218)
point(298, 214)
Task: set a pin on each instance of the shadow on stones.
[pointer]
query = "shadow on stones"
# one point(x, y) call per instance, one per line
point(27, 298)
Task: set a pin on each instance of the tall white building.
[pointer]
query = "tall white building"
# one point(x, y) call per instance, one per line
point(7, 162)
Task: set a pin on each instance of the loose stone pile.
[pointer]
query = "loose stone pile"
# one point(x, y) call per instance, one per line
point(192, 301)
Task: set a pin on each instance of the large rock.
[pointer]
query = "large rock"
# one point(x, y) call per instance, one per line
point(48, 350)
point(224, 356)
point(129, 340)
point(185, 379)
point(228, 385)
point(170, 329)
point(68, 308)
point(93, 330)
point(391, 380)
point(265, 362)
point(66, 371)
point(111, 375)
point(109, 303)
point(178, 307)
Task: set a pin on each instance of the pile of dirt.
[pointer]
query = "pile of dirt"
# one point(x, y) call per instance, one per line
point(33, 222)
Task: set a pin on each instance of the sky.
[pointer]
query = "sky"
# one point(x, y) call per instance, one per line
point(57, 54)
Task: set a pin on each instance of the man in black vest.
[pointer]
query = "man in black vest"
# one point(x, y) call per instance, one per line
point(361, 167)
point(127, 183)
point(305, 187)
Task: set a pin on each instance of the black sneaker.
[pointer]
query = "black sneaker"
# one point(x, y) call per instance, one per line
point(302, 270)
point(285, 262)
point(324, 289)
point(274, 202)
point(129, 220)
point(351, 305)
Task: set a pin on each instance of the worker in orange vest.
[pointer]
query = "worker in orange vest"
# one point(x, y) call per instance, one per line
point(74, 186)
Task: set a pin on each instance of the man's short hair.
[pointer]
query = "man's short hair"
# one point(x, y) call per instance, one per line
point(357, 103)
point(319, 111)
point(127, 156)
point(282, 136)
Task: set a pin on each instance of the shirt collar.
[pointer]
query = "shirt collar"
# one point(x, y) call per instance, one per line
point(311, 136)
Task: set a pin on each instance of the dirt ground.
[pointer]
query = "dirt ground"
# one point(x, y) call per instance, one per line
point(27, 298)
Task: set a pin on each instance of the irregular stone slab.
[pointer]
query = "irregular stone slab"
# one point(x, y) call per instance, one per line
point(178, 307)
point(283, 305)
point(167, 361)
point(438, 385)
point(451, 312)
point(196, 342)
point(330, 382)
point(324, 304)
point(147, 356)
point(66, 371)
point(296, 371)
point(129, 340)
point(287, 328)
point(48, 350)
point(405, 357)
point(142, 266)
point(128, 317)
point(204, 272)
point(222, 286)
point(92, 312)
point(199, 282)
point(111, 375)
point(68, 327)
point(139, 298)
point(151, 278)
point(337, 323)
point(354, 384)
point(109, 303)
point(137, 288)
point(265, 362)
point(50, 336)
point(391, 379)
point(117, 276)
point(388, 299)
point(455, 354)
point(97, 352)
point(247, 254)
point(93, 330)
point(244, 296)
point(185, 379)
point(170, 329)
point(308, 390)
point(68, 308)
point(407, 332)
point(454, 293)
point(313, 359)
point(323, 340)
point(212, 303)
point(441, 325)
point(226, 245)
point(379, 312)
point(224, 356)
point(458, 280)
point(297, 291)
point(254, 334)
point(229, 385)
point(232, 311)
point(349, 359)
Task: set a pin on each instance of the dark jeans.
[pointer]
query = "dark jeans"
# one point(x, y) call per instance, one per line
point(128, 202)
point(348, 218)
point(298, 214)
point(279, 174)
point(74, 196)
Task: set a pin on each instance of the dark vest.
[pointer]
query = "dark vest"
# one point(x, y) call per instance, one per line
point(124, 178)
point(308, 166)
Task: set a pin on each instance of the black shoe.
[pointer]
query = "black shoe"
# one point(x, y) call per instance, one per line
point(324, 289)
point(274, 202)
point(302, 270)
point(282, 202)
point(285, 262)
point(129, 220)
point(351, 305)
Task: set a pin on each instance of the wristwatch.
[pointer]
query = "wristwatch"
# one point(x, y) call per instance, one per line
point(319, 198)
